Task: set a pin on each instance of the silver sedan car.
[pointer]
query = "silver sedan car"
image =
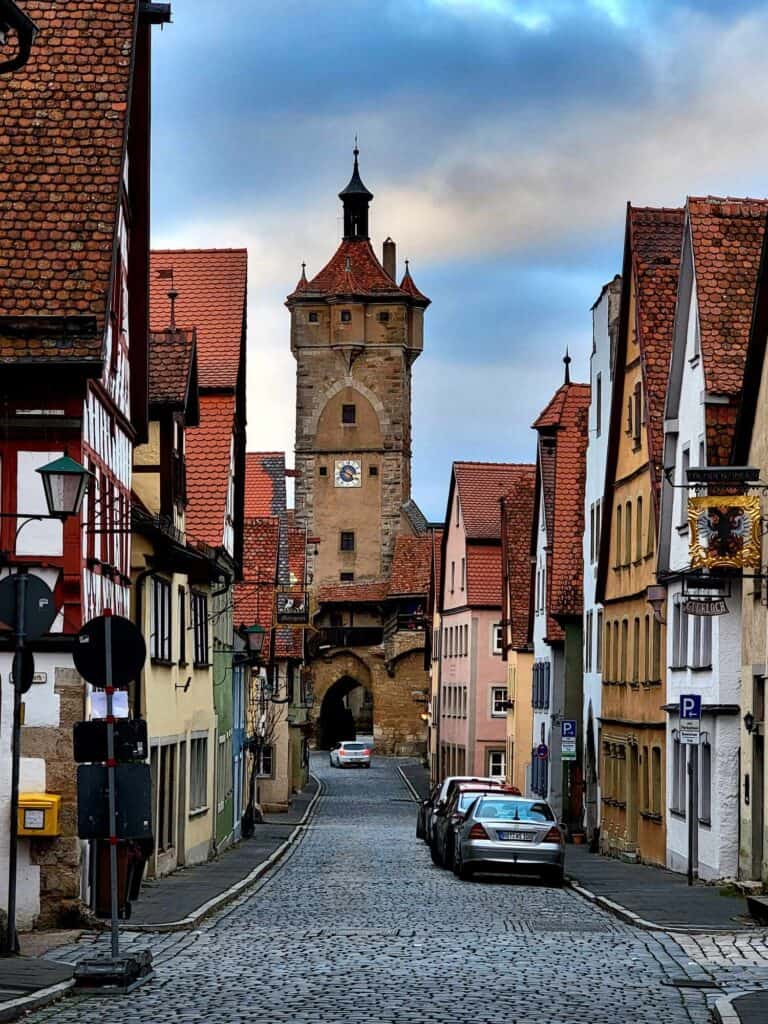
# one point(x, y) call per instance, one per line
point(511, 834)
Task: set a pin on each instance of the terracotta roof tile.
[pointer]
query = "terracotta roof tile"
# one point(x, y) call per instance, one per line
point(209, 449)
point(63, 123)
point(255, 596)
point(171, 365)
point(408, 285)
point(517, 566)
point(481, 485)
point(411, 565)
point(354, 269)
point(265, 483)
point(563, 438)
point(211, 286)
point(373, 591)
point(484, 575)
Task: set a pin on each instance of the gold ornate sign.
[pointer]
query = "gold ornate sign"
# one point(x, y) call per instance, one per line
point(725, 531)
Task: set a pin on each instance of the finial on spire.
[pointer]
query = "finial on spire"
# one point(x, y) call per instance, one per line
point(173, 295)
point(303, 271)
point(567, 361)
point(356, 150)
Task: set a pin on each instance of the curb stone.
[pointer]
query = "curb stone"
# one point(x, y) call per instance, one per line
point(409, 786)
point(14, 1008)
point(725, 1012)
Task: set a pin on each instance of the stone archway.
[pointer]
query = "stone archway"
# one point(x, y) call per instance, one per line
point(346, 712)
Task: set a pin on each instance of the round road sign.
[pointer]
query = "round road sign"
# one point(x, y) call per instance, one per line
point(39, 604)
point(129, 651)
point(542, 751)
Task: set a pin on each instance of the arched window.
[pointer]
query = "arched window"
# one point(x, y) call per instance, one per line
point(628, 534)
point(619, 536)
point(639, 530)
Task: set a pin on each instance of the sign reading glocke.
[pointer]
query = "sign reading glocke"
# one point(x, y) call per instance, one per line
point(725, 532)
point(292, 608)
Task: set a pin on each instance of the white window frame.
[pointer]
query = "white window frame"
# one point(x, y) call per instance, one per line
point(498, 696)
point(497, 638)
point(496, 759)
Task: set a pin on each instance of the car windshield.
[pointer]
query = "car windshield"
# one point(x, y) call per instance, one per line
point(465, 800)
point(513, 810)
point(354, 746)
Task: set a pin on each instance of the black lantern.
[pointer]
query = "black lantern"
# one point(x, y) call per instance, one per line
point(254, 637)
point(749, 721)
point(64, 482)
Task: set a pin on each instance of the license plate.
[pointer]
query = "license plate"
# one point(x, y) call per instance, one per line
point(516, 837)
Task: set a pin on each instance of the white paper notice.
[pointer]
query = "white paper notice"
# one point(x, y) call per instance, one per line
point(119, 704)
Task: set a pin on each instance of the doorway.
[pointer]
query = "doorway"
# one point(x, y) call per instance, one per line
point(346, 713)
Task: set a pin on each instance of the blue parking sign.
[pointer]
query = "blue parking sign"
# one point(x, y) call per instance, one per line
point(690, 706)
point(568, 728)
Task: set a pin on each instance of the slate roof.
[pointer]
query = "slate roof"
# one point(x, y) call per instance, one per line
point(727, 237)
point(415, 516)
point(372, 592)
point(481, 485)
point(517, 515)
point(265, 493)
point(172, 368)
point(208, 459)
point(63, 124)
point(255, 595)
point(211, 286)
point(411, 566)
point(354, 269)
point(561, 478)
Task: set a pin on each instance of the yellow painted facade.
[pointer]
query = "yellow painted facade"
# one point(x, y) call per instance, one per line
point(519, 717)
point(632, 756)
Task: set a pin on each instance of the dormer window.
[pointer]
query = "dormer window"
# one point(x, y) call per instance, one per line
point(346, 316)
point(314, 317)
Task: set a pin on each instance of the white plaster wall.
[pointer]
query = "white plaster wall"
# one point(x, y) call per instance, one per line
point(719, 684)
point(542, 651)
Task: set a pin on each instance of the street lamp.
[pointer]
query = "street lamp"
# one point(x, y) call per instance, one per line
point(12, 19)
point(254, 638)
point(64, 483)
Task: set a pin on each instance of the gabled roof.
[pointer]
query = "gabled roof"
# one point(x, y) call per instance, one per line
point(411, 566)
point(209, 450)
point(372, 592)
point(354, 269)
point(265, 493)
point(173, 373)
point(409, 285)
point(63, 131)
point(480, 486)
point(484, 575)
point(211, 286)
point(753, 367)
point(560, 482)
point(517, 521)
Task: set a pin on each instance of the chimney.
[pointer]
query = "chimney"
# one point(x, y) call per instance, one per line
point(390, 258)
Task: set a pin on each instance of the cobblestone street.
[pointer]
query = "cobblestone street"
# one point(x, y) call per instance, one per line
point(357, 925)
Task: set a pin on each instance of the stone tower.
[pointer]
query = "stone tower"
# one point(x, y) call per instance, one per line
point(355, 334)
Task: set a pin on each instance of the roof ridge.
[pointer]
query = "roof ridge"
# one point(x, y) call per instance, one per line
point(197, 251)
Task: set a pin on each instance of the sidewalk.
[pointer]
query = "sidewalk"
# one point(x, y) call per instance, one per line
point(418, 777)
point(749, 1009)
point(176, 902)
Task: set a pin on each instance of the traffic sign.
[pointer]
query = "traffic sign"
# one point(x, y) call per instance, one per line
point(129, 652)
point(39, 604)
point(23, 674)
point(568, 728)
point(690, 717)
point(542, 751)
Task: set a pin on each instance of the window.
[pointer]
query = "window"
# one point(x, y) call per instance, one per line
point(313, 318)
point(591, 533)
point(160, 624)
point(346, 316)
point(165, 785)
point(498, 638)
point(645, 793)
point(323, 471)
point(679, 636)
point(599, 651)
point(224, 771)
point(198, 775)
point(200, 627)
point(463, 572)
point(265, 762)
point(624, 650)
point(701, 654)
point(453, 576)
point(347, 540)
point(588, 642)
point(656, 780)
point(636, 651)
point(373, 471)
point(346, 577)
point(349, 414)
point(639, 531)
point(685, 463)
point(647, 650)
point(182, 599)
point(678, 776)
point(638, 414)
point(598, 404)
point(616, 678)
point(619, 536)
point(450, 641)
point(651, 533)
point(383, 316)
point(598, 527)
point(466, 640)
point(705, 784)
point(497, 764)
point(656, 665)
point(498, 700)
point(628, 534)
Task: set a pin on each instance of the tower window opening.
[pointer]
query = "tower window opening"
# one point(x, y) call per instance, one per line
point(346, 577)
point(373, 471)
point(349, 414)
point(384, 316)
point(313, 318)
point(346, 316)
point(323, 471)
point(347, 540)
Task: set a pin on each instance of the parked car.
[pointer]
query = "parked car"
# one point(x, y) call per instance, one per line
point(512, 834)
point(350, 754)
point(425, 808)
point(450, 815)
point(443, 791)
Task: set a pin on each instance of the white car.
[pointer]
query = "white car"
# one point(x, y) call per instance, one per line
point(350, 754)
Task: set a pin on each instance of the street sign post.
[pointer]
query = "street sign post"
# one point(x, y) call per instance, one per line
point(690, 729)
point(542, 751)
point(568, 739)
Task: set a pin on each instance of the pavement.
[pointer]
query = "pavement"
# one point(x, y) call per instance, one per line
point(175, 903)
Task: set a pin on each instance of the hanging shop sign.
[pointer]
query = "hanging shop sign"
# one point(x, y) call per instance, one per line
point(725, 532)
point(292, 608)
point(705, 606)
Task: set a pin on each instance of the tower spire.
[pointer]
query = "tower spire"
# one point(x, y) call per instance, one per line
point(567, 361)
point(355, 198)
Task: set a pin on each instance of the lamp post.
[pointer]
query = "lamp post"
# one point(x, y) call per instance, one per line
point(64, 484)
point(13, 19)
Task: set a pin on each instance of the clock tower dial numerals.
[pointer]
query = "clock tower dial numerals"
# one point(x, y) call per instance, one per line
point(346, 473)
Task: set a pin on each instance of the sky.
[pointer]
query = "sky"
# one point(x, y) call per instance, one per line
point(502, 140)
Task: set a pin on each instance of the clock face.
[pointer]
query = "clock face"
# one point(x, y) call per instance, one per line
point(347, 473)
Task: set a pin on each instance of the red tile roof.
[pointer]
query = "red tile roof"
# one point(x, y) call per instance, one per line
point(255, 596)
point(562, 468)
point(289, 642)
point(63, 123)
point(264, 483)
point(374, 591)
point(211, 286)
point(656, 237)
point(517, 566)
point(484, 575)
point(408, 285)
point(209, 449)
point(727, 236)
point(171, 367)
point(411, 565)
point(481, 485)
point(353, 269)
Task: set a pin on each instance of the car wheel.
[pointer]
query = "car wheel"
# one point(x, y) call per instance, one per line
point(448, 859)
point(433, 854)
point(555, 877)
point(464, 871)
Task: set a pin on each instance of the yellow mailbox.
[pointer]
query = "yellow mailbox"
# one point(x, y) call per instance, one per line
point(39, 814)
